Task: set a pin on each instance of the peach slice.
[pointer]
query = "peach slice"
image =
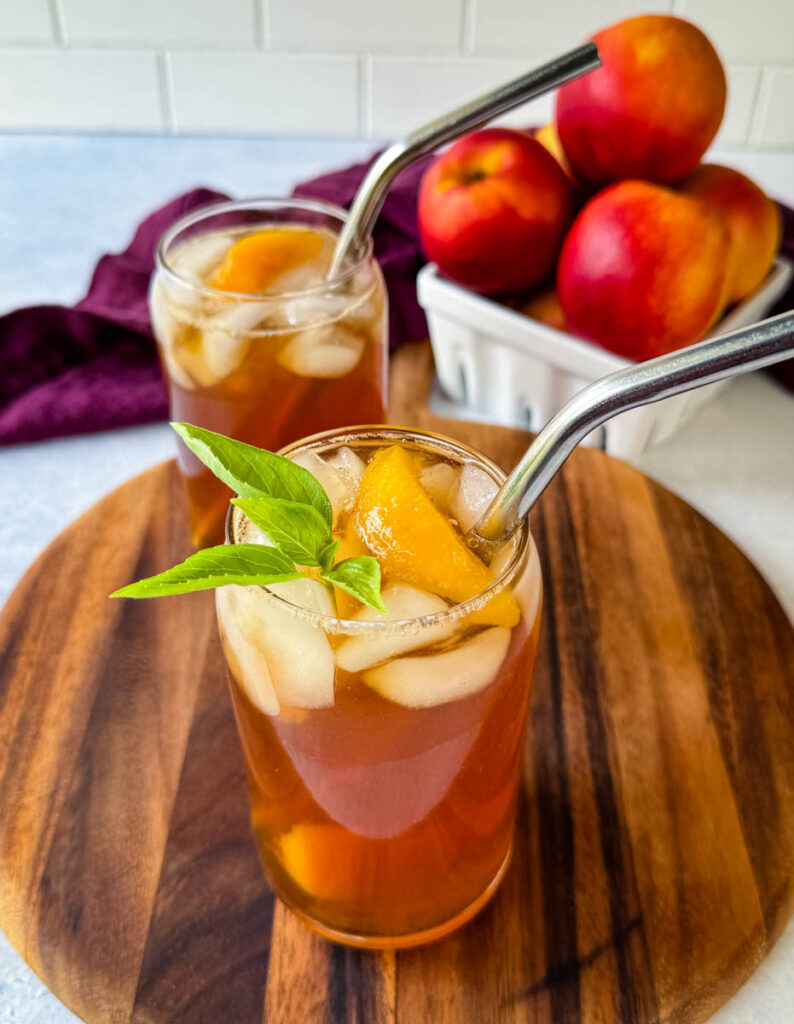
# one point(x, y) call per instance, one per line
point(414, 542)
point(325, 861)
point(255, 261)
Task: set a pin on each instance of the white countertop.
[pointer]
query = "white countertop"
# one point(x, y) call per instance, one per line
point(66, 199)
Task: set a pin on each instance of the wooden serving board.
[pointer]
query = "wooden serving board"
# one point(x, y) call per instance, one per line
point(655, 838)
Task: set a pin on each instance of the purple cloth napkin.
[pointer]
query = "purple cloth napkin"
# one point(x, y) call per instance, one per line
point(94, 366)
point(75, 370)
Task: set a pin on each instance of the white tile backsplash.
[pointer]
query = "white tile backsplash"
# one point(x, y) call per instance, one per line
point(173, 22)
point(343, 67)
point(761, 31)
point(307, 94)
point(776, 127)
point(517, 26)
point(406, 92)
point(383, 25)
point(25, 21)
point(743, 83)
point(79, 90)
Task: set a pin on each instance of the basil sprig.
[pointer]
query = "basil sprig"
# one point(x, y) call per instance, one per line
point(215, 567)
point(288, 505)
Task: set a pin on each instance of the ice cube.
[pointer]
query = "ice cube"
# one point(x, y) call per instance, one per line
point(402, 601)
point(339, 475)
point(438, 480)
point(366, 312)
point(247, 532)
point(530, 586)
point(168, 330)
point(236, 318)
point(324, 352)
point(424, 681)
point(350, 469)
point(296, 650)
point(223, 345)
point(315, 309)
point(247, 663)
point(305, 593)
point(226, 341)
point(473, 493)
point(327, 477)
point(527, 590)
point(199, 256)
point(223, 354)
point(189, 354)
point(302, 278)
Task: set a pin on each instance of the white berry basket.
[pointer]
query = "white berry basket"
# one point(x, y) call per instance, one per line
point(499, 365)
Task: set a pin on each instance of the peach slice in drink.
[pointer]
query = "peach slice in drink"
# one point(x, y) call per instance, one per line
point(255, 262)
point(415, 542)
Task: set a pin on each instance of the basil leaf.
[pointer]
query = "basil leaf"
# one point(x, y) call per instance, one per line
point(360, 577)
point(297, 529)
point(216, 567)
point(328, 554)
point(252, 472)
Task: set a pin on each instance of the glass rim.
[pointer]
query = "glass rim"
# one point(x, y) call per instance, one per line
point(374, 432)
point(263, 203)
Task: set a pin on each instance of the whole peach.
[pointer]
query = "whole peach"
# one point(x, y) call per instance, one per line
point(545, 307)
point(643, 270)
point(653, 107)
point(548, 138)
point(493, 211)
point(752, 219)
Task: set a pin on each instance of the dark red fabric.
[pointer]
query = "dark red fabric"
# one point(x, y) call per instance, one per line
point(73, 371)
point(94, 366)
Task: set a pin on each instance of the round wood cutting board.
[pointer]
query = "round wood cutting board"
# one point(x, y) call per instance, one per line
point(655, 836)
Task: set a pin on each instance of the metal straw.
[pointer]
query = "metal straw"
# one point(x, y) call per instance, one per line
point(749, 348)
point(372, 191)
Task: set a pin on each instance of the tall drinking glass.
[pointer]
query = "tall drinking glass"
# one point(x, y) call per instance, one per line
point(254, 341)
point(383, 752)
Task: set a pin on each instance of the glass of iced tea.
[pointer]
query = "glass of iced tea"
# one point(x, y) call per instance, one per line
point(255, 342)
point(383, 751)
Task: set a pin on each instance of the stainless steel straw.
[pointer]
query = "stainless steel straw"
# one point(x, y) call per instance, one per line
point(372, 192)
point(750, 348)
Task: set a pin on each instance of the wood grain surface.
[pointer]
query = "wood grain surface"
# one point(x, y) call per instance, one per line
point(655, 835)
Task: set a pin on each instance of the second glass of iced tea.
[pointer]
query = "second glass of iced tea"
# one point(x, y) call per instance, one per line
point(255, 342)
point(384, 751)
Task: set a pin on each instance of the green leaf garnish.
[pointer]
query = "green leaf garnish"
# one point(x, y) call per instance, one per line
point(244, 564)
point(252, 472)
point(328, 554)
point(360, 577)
point(288, 505)
point(297, 529)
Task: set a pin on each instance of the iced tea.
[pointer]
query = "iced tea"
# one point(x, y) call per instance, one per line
point(255, 342)
point(383, 751)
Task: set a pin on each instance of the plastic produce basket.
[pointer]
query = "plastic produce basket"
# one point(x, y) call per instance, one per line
point(500, 365)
